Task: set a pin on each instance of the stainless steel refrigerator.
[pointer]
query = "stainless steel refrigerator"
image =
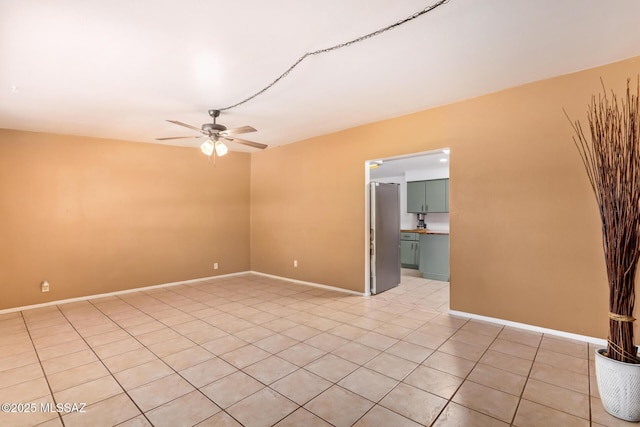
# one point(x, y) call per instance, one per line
point(385, 236)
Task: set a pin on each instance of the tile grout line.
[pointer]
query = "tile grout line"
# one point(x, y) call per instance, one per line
point(198, 345)
point(333, 383)
point(466, 378)
point(524, 387)
point(46, 378)
point(159, 358)
point(105, 366)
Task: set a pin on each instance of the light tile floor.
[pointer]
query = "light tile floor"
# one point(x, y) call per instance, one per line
point(256, 351)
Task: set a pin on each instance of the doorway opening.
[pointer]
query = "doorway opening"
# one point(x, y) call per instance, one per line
point(429, 166)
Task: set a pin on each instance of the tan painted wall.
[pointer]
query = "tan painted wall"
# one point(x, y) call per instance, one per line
point(94, 216)
point(525, 233)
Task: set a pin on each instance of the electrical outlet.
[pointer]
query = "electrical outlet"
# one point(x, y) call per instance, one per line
point(45, 286)
point(295, 263)
point(215, 265)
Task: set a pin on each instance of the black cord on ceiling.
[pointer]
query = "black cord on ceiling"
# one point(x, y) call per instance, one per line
point(336, 47)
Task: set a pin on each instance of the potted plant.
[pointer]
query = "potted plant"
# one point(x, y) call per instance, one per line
point(611, 157)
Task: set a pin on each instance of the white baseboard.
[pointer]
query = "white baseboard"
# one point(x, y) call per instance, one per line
point(315, 285)
point(125, 291)
point(577, 337)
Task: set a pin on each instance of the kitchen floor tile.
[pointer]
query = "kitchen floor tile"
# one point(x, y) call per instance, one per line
point(559, 398)
point(412, 352)
point(270, 369)
point(232, 389)
point(451, 364)
point(275, 343)
point(498, 379)
point(188, 410)
point(514, 349)
point(207, 372)
point(172, 346)
point(356, 353)
point(129, 359)
point(368, 384)
point(327, 342)
point(375, 340)
point(520, 336)
point(90, 392)
point(78, 375)
point(245, 356)
point(381, 416)
point(139, 421)
point(26, 391)
point(301, 386)
point(62, 349)
point(332, 368)
point(456, 415)
point(531, 414)
point(434, 381)
point(261, 409)
point(560, 377)
point(391, 366)
point(108, 412)
point(487, 400)
point(224, 344)
point(413, 403)
point(302, 417)
point(570, 363)
point(19, 419)
point(462, 349)
point(339, 407)
point(187, 358)
point(507, 362)
point(565, 346)
point(221, 419)
point(69, 361)
point(159, 392)
point(301, 354)
point(142, 374)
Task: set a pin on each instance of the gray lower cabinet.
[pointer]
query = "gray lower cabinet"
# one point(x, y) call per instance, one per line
point(434, 256)
point(409, 250)
point(428, 196)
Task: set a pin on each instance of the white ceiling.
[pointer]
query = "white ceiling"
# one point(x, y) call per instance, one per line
point(119, 68)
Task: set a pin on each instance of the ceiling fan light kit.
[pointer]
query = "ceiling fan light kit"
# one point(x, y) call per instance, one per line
point(221, 148)
point(207, 147)
point(216, 133)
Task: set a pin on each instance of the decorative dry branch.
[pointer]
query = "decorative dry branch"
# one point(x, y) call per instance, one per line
point(611, 159)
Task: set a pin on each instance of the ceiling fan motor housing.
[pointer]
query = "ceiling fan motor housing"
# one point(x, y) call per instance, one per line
point(213, 127)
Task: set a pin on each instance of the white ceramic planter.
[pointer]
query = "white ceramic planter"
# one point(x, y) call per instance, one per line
point(619, 387)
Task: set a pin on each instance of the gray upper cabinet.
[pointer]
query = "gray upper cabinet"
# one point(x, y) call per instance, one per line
point(416, 196)
point(428, 196)
point(446, 194)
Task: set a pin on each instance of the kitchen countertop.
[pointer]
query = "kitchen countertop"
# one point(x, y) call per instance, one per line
point(423, 231)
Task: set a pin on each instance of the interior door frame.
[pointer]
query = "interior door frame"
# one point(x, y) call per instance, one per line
point(367, 229)
point(367, 211)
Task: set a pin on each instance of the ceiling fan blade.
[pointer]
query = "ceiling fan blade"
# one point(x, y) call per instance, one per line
point(245, 142)
point(236, 131)
point(175, 122)
point(176, 137)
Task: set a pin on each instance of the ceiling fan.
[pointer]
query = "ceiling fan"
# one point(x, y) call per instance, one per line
point(216, 133)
